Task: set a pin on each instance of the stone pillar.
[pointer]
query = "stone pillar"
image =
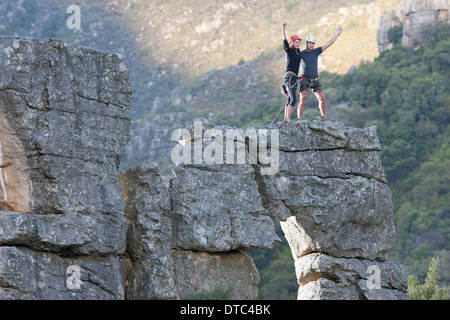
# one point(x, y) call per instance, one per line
point(64, 124)
point(335, 208)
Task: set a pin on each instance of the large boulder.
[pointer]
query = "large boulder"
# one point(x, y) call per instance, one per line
point(325, 277)
point(216, 205)
point(331, 192)
point(341, 217)
point(69, 234)
point(160, 269)
point(64, 115)
point(27, 274)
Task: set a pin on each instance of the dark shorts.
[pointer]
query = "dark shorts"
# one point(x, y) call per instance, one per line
point(312, 84)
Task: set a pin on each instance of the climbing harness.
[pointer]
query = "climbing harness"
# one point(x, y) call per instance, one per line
point(298, 82)
point(311, 82)
point(284, 90)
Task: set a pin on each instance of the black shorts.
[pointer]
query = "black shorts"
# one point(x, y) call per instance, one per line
point(312, 84)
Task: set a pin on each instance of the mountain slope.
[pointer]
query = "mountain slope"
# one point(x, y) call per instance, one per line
point(220, 59)
point(214, 59)
point(196, 36)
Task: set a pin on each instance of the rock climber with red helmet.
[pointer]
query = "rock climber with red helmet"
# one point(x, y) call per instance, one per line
point(309, 79)
point(293, 57)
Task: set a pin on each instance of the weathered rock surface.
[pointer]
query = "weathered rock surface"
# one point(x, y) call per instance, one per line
point(418, 13)
point(205, 272)
point(217, 206)
point(149, 233)
point(65, 113)
point(330, 194)
point(414, 14)
point(332, 200)
point(64, 124)
point(34, 275)
point(389, 19)
point(70, 233)
point(341, 217)
point(67, 226)
point(219, 211)
point(324, 277)
point(160, 272)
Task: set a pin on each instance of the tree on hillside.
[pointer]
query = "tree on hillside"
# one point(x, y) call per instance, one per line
point(430, 289)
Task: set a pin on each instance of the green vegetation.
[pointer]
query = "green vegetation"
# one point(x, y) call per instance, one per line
point(276, 271)
point(431, 288)
point(395, 34)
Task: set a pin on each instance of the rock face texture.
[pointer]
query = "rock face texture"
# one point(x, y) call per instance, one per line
point(389, 19)
point(149, 235)
point(64, 124)
point(72, 227)
point(414, 14)
point(335, 209)
point(418, 13)
point(161, 270)
point(205, 272)
point(329, 193)
point(217, 206)
point(190, 237)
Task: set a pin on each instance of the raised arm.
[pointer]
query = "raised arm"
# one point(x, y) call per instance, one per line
point(332, 40)
point(284, 31)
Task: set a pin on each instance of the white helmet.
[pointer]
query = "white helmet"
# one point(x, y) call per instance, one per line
point(311, 39)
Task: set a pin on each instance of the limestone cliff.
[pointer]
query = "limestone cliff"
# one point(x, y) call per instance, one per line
point(64, 124)
point(69, 222)
point(413, 14)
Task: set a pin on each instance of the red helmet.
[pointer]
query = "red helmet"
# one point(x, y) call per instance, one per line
point(294, 37)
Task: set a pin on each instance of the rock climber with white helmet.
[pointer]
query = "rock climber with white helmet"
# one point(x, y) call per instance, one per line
point(309, 79)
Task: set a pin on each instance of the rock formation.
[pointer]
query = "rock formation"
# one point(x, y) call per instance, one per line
point(149, 235)
point(196, 243)
point(64, 124)
point(414, 14)
point(417, 14)
point(389, 19)
point(335, 209)
point(72, 227)
point(329, 192)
